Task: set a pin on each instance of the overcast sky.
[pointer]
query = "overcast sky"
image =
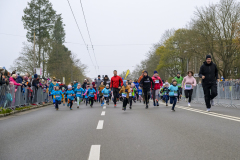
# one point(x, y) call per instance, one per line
point(110, 22)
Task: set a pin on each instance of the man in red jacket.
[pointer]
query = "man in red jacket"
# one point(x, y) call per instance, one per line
point(116, 83)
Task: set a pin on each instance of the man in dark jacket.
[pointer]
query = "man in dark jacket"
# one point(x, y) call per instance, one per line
point(209, 74)
point(35, 81)
point(19, 79)
point(146, 83)
point(84, 85)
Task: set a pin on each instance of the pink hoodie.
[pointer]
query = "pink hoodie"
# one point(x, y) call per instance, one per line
point(14, 82)
point(189, 80)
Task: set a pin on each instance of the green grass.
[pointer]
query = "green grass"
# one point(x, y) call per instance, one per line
point(4, 111)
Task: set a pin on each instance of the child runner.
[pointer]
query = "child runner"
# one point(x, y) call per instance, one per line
point(57, 96)
point(173, 93)
point(125, 90)
point(165, 93)
point(91, 93)
point(140, 94)
point(63, 95)
point(131, 94)
point(86, 94)
point(79, 94)
point(106, 93)
point(70, 95)
point(100, 88)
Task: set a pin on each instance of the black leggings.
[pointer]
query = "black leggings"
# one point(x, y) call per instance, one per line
point(180, 90)
point(125, 101)
point(130, 100)
point(115, 95)
point(91, 100)
point(71, 103)
point(146, 93)
point(188, 94)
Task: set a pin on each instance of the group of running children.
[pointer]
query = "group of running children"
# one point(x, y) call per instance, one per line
point(128, 94)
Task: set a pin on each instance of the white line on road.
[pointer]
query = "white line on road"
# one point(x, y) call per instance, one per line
point(103, 113)
point(94, 152)
point(104, 107)
point(100, 124)
point(210, 113)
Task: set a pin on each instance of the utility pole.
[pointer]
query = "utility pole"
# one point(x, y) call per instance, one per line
point(34, 54)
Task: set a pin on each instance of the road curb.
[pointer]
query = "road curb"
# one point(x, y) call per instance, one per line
point(31, 108)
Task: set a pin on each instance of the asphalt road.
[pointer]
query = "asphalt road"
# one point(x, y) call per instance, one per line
point(137, 134)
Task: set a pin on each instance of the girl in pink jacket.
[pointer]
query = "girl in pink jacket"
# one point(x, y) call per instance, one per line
point(188, 83)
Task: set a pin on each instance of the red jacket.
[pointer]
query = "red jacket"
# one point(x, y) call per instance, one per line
point(115, 81)
point(158, 82)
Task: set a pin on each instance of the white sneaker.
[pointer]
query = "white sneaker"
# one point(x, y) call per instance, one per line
point(208, 110)
point(212, 102)
point(189, 105)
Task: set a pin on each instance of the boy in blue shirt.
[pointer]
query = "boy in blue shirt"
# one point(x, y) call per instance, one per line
point(91, 93)
point(79, 94)
point(173, 93)
point(106, 93)
point(70, 96)
point(57, 94)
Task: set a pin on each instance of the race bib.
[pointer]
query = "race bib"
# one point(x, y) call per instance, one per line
point(140, 93)
point(105, 95)
point(188, 86)
point(63, 88)
point(124, 94)
point(79, 92)
point(57, 96)
point(179, 85)
point(156, 81)
point(130, 94)
point(91, 93)
point(175, 93)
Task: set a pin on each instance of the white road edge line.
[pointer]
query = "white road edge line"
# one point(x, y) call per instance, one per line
point(207, 113)
point(100, 124)
point(103, 113)
point(94, 152)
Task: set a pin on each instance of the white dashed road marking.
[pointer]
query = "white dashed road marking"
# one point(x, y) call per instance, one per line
point(103, 113)
point(100, 124)
point(104, 107)
point(94, 152)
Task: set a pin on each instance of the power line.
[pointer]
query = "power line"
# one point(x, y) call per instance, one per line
point(89, 34)
point(81, 33)
point(12, 35)
point(112, 44)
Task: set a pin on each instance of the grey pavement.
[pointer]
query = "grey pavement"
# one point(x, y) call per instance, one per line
point(137, 134)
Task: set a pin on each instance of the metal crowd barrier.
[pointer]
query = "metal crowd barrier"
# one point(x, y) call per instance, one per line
point(15, 96)
point(228, 94)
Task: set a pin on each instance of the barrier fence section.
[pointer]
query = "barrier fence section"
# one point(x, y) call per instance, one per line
point(16, 96)
point(228, 94)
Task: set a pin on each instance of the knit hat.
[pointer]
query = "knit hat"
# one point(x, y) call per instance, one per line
point(208, 56)
point(155, 72)
point(35, 76)
point(174, 80)
point(69, 86)
point(143, 71)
